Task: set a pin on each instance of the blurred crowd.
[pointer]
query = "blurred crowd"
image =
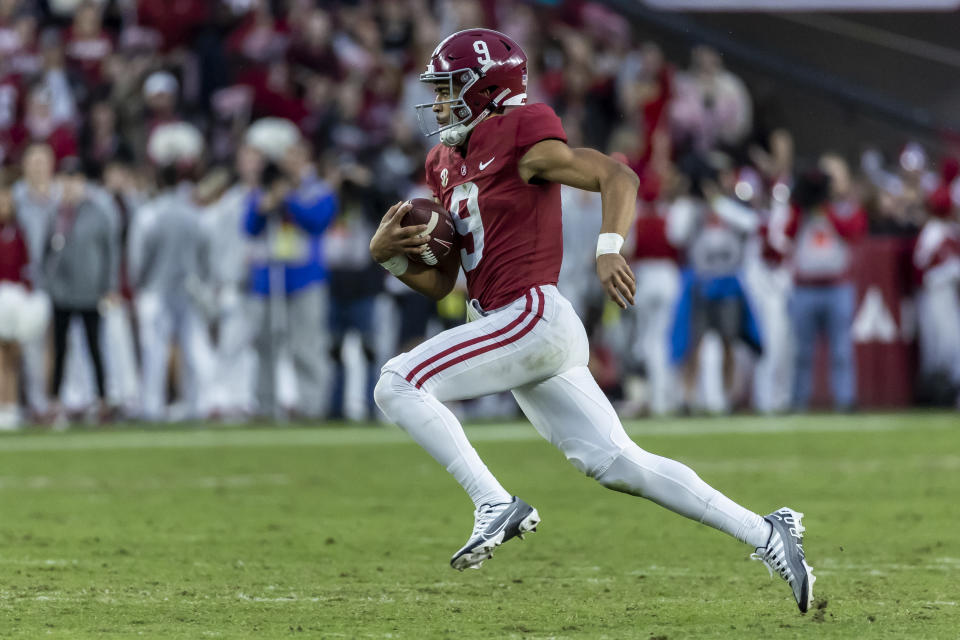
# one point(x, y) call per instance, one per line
point(189, 187)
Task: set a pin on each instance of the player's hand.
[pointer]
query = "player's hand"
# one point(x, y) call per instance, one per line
point(617, 278)
point(390, 239)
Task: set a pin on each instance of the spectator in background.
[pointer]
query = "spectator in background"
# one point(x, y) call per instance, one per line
point(101, 140)
point(770, 282)
point(937, 258)
point(23, 315)
point(823, 298)
point(88, 45)
point(177, 21)
point(655, 262)
point(355, 282)
point(645, 88)
point(160, 95)
point(163, 253)
point(64, 9)
point(897, 197)
point(275, 92)
point(712, 107)
point(713, 310)
point(260, 38)
point(312, 47)
point(583, 98)
point(229, 252)
point(581, 222)
point(81, 272)
point(36, 196)
point(59, 80)
point(122, 364)
point(8, 11)
point(289, 300)
point(40, 124)
point(10, 93)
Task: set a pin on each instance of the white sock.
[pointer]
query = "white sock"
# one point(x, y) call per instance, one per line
point(675, 486)
point(437, 430)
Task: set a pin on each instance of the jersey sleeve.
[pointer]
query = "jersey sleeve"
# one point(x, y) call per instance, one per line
point(538, 122)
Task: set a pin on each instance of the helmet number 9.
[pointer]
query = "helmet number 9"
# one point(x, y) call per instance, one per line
point(481, 47)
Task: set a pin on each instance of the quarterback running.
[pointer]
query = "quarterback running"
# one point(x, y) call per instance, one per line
point(498, 168)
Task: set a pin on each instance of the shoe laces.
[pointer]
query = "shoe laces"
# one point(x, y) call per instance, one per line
point(484, 515)
point(796, 529)
point(776, 560)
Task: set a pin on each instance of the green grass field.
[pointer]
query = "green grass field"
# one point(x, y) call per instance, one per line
point(347, 533)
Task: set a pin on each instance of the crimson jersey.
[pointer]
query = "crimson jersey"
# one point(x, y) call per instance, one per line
point(510, 231)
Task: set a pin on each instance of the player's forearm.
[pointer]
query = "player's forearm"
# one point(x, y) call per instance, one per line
point(429, 281)
point(618, 193)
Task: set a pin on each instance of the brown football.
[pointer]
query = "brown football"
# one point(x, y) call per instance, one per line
point(440, 228)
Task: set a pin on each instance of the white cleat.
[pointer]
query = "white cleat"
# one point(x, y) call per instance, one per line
point(784, 554)
point(493, 525)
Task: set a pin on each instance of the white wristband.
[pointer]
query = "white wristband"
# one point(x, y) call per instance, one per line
point(397, 265)
point(609, 243)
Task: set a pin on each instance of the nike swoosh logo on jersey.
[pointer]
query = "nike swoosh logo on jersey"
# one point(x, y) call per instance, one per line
point(484, 165)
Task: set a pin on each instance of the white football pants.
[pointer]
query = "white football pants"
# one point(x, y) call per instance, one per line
point(537, 348)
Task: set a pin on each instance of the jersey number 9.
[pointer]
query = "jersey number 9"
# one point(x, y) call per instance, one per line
point(468, 223)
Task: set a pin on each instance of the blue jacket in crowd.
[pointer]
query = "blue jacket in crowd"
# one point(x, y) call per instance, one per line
point(294, 240)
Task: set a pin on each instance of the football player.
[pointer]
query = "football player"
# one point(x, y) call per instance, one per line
point(498, 170)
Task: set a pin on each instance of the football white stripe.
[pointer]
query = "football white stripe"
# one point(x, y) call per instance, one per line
point(434, 219)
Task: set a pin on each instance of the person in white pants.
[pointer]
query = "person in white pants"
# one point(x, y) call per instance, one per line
point(228, 246)
point(769, 282)
point(164, 255)
point(36, 196)
point(654, 262)
point(24, 314)
point(937, 257)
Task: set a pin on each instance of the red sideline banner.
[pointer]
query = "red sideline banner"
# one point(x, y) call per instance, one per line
point(884, 327)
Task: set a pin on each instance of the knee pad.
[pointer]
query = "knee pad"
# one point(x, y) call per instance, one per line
point(382, 392)
point(389, 389)
point(589, 458)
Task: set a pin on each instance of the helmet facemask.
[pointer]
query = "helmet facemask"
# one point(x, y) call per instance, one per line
point(455, 131)
point(462, 119)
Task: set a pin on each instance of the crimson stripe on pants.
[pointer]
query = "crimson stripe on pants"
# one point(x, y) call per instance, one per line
point(490, 347)
point(469, 343)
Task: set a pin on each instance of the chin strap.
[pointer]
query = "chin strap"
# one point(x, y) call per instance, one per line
point(457, 134)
